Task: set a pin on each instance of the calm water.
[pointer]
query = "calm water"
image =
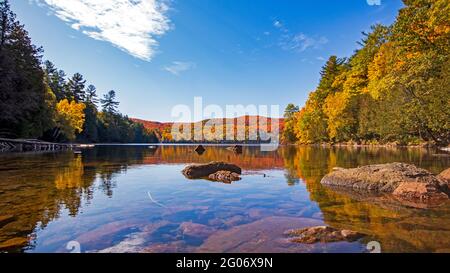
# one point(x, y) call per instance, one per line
point(135, 199)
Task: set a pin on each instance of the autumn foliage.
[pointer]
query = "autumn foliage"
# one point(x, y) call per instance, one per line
point(394, 88)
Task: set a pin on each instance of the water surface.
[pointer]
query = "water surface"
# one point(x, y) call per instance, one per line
point(135, 199)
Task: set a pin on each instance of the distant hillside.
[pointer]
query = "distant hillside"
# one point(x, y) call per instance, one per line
point(163, 129)
point(153, 125)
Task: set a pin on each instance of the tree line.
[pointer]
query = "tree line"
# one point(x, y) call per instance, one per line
point(394, 88)
point(38, 100)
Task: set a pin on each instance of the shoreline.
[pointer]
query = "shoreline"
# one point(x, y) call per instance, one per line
point(34, 145)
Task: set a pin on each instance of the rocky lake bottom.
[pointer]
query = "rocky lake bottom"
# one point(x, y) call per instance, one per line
point(135, 199)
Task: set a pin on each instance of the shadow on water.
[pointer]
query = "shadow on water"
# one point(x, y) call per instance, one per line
point(37, 190)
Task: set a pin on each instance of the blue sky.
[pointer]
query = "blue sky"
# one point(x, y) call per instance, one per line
point(160, 53)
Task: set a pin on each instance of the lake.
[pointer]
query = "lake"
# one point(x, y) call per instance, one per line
point(135, 199)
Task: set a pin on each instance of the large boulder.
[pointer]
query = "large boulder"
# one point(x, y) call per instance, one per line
point(445, 180)
point(403, 181)
point(445, 176)
point(197, 171)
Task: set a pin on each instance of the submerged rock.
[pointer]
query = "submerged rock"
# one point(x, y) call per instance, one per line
point(265, 235)
point(197, 171)
point(403, 181)
point(323, 234)
point(224, 176)
point(195, 230)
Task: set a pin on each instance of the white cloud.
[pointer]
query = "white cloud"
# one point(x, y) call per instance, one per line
point(297, 42)
point(131, 25)
point(300, 42)
point(176, 68)
point(320, 58)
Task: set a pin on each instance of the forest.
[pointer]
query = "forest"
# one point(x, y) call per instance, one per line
point(394, 89)
point(38, 100)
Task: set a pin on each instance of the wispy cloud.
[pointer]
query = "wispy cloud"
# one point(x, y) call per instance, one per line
point(176, 68)
point(300, 42)
point(297, 42)
point(131, 25)
point(277, 24)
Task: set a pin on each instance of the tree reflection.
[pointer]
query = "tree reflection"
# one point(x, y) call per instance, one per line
point(397, 228)
point(37, 189)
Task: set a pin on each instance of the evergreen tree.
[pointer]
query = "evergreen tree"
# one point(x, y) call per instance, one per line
point(23, 94)
point(109, 103)
point(56, 80)
point(36, 101)
point(289, 134)
point(290, 111)
point(90, 128)
point(75, 88)
point(91, 95)
point(329, 72)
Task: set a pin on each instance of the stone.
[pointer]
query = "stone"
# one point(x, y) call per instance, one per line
point(445, 181)
point(195, 230)
point(198, 171)
point(200, 149)
point(419, 191)
point(226, 177)
point(323, 234)
point(236, 149)
point(104, 235)
point(404, 181)
point(445, 175)
point(262, 236)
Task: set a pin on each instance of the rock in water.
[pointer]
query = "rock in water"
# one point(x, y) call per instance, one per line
point(195, 230)
point(403, 181)
point(198, 171)
point(445, 181)
point(224, 176)
point(323, 234)
point(445, 175)
point(236, 149)
point(200, 149)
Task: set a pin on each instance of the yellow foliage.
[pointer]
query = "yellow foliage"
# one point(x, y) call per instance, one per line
point(71, 175)
point(380, 65)
point(70, 117)
point(338, 110)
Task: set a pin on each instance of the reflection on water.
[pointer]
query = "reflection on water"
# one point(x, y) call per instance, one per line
point(134, 199)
